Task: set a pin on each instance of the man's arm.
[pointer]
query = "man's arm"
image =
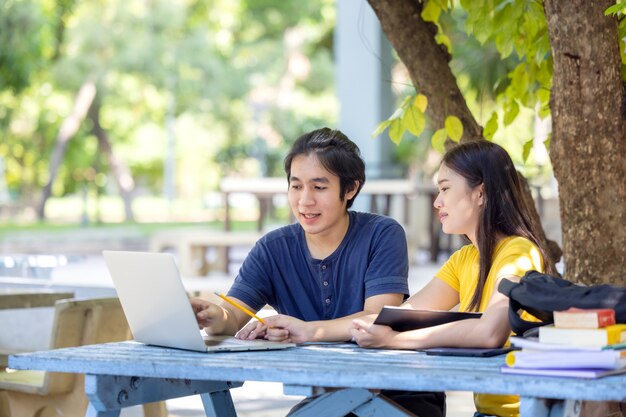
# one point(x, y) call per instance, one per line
point(287, 328)
point(220, 318)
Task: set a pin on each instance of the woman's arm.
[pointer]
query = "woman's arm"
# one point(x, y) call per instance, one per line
point(491, 330)
point(436, 295)
point(282, 328)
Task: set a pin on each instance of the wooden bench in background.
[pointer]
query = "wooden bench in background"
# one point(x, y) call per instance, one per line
point(21, 299)
point(31, 393)
point(191, 246)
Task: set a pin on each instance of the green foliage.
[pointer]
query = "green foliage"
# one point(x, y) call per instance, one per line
point(618, 8)
point(505, 54)
point(491, 126)
point(213, 66)
point(454, 128)
point(409, 116)
point(619, 11)
point(438, 140)
point(22, 39)
point(528, 145)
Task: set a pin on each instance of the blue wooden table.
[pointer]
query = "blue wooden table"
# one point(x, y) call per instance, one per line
point(125, 374)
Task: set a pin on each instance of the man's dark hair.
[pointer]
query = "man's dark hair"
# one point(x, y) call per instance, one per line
point(338, 154)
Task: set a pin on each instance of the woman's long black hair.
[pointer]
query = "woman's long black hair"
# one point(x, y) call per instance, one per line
point(504, 211)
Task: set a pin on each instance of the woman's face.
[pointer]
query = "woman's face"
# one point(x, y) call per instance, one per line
point(458, 205)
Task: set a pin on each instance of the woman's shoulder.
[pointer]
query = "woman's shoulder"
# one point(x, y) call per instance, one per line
point(515, 244)
point(465, 253)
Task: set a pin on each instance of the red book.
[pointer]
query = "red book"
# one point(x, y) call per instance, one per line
point(577, 318)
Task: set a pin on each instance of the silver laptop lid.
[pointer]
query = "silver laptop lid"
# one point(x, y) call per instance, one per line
point(154, 300)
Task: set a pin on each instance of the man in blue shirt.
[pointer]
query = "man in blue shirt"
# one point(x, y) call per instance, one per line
point(330, 267)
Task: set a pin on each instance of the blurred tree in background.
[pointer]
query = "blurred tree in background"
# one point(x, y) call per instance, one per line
point(93, 93)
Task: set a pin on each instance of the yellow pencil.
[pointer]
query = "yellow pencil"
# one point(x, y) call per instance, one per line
point(240, 307)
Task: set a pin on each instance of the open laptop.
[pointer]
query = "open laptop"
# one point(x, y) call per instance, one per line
point(157, 307)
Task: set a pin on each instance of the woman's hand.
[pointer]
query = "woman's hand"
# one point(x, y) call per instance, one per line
point(370, 335)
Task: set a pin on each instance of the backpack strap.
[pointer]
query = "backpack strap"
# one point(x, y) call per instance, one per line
point(518, 324)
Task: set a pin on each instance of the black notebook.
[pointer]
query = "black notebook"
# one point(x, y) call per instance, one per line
point(403, 319)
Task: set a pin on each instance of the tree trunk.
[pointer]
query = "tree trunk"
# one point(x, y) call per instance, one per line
point(588, 146)
point(427, 62)
point(428, 65)
point(68, 129)
point(120, 171)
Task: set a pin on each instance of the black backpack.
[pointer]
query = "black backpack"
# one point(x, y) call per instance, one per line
point(541, 294)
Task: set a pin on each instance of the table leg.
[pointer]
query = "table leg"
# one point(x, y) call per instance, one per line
point(218, 404)
point(358, 401)
point(108, 394)
point(92, 412)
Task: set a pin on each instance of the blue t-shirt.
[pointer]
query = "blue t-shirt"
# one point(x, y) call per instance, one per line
point(372, 259)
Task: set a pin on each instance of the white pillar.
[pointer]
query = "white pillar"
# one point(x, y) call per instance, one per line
point(363, 78)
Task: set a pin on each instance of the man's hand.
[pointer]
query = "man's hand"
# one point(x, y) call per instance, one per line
point(253, 330)
point(370, 335)
point(282, 328)
point(210, 316)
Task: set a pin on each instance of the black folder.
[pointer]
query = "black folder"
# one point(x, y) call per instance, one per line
point(402, 319)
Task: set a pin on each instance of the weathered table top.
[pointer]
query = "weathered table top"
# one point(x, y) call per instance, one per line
point(327, 365)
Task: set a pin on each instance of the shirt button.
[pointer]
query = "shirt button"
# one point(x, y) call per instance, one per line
point(328, 301)
point(326, 283)
point(323, 266)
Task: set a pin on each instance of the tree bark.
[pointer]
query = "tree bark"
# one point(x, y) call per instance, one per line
point(121, 173)
point(428, 65)
point(427, 62)
point(68, 129)
point(588, 146)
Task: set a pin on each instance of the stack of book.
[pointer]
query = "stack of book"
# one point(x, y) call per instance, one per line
point(581, 344)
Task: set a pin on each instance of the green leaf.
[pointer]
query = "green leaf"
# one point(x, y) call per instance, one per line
point(396, 114)
point(442, 39)
point(491, 126)
point(619, 7)
point(454, 128)
point(546, 142)
point(414, 121)
point(438, 140)
point(381, 127)
point(544, 111)
point(396, 131)
point(405, 102)
point(511, 110)
point(431, 11)
point(421, 102)
point(526, 150)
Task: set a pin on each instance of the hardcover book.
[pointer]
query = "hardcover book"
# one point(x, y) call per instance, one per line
point(603, 359)
point(568, 373)
point(576, 318)
point(583, 337)
point(404, 319)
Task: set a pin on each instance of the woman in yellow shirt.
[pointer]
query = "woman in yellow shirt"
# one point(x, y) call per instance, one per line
point(479, 197)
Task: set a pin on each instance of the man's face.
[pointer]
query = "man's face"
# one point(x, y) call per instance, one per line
point(314, 196)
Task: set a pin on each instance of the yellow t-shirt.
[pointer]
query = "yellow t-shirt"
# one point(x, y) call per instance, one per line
point(513, 255)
